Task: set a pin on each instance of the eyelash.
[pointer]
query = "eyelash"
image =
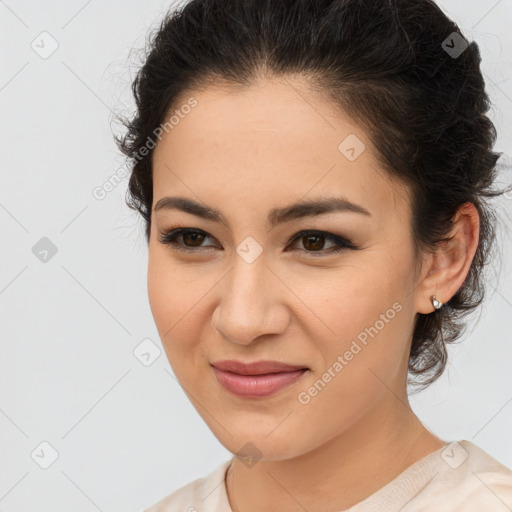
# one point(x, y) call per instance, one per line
point(169, 237)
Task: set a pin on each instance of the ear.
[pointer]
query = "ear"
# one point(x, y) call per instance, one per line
point(449, 265)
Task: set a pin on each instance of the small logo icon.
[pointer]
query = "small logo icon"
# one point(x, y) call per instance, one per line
point(352, 147)
point(147, 352)
point(249, 249)
point(44, 250)
point(249, 454)
point(44, 45)
point(454, 45)
point(44, 455)
point(454, 455)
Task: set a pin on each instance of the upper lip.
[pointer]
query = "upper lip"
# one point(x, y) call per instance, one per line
point(256, 368)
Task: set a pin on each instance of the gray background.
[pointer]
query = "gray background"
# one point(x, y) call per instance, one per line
point(125, 433)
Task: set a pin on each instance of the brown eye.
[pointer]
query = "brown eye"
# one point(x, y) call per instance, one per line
point(193, 239)
point(313, 243)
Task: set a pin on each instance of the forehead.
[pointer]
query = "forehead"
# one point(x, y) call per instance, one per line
point(272, 142)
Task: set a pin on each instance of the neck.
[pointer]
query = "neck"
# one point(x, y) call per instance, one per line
point(341, 472)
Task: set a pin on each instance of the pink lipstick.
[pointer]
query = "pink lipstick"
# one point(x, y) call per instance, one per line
point(258, 379)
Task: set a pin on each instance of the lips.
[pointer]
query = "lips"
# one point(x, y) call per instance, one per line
point(258, 379)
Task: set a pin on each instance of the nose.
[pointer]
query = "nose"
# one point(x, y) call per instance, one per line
point(252, 303)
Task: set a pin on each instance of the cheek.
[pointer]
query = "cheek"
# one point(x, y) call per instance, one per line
point(343, 301)
point(170, 288)
point(359, 365)
point(160, 291)
point(361, 315)
point(168, 296)
point(177, 300)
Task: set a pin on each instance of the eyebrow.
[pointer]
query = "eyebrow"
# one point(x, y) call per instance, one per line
point(276, 215)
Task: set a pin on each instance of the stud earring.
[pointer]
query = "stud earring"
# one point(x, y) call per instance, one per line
point(437, 304)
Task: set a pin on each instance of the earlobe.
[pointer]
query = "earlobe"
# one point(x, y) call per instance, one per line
point(451, 261)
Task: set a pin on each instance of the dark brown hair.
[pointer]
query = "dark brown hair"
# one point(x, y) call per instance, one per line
point(400, 68)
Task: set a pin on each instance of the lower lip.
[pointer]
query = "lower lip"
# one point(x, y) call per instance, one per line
point(256, 386)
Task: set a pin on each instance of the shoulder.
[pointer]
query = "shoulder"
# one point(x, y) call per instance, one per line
point(204, 494)
point(469, 479)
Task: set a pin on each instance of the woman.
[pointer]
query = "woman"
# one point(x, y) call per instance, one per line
point(313, 176)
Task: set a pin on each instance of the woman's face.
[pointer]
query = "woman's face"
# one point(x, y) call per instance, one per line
point(243, 289)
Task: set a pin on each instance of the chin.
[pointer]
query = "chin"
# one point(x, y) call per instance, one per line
point(257, 444)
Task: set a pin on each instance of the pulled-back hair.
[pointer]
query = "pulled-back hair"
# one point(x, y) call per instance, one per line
point(400, 68)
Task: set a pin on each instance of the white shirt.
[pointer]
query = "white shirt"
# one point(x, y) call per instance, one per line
point(460, 477)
